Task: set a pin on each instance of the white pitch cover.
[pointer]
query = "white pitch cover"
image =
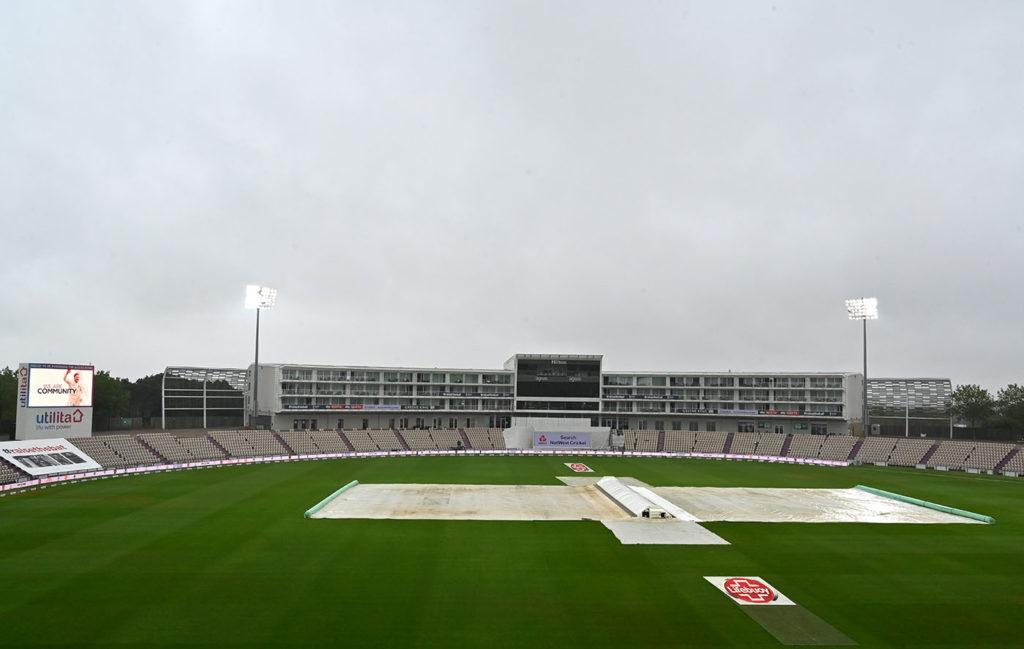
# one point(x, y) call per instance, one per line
point(41, 457)
point(750, 591)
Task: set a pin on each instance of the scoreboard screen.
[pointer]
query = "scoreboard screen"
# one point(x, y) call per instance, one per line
point(554, 377)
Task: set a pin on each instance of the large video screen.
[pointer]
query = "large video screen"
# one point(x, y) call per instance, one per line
point(552, 377)
point(59, 386)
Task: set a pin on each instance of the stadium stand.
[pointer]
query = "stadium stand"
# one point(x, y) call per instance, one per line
point(951, 454)
point(483, 439)
point(167, 446)
point(201, 448)
point(419, 440)
point(248, 443)
point(433, 440)
point(986, 457)
point(806, 446)
point(645, 441)
point(1015, 463)
point(330, 441)
point(770, 444)
point(910, 451)
point(837, 447)
point(710, 442)
point(362, 442)
point(679, 441)
point(10, 473)
point(97, 450)
point(744, 443)
point(299, 441)
point(133, 452)
point(122, 451)
point(876, 449)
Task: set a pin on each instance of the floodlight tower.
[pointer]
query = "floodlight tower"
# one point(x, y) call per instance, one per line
point(258, 297)
point(864, 309)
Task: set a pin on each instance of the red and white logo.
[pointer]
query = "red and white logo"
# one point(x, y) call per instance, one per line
point(542, 439)
point(750, 590)
point(579, 467)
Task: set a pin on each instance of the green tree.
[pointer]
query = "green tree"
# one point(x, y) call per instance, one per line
point(8, 401)
point(147, 396)
point(1010, 404)
point(110, 399)
point(972, 403)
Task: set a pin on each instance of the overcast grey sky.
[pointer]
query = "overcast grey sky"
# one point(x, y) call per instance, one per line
point(680, 186)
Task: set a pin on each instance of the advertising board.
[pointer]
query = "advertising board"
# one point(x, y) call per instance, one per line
point(41, 457)
point(561, 440)
point(54, 400)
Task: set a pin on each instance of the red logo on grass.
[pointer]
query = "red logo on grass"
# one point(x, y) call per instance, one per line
point(579, 467)
point(750, 590)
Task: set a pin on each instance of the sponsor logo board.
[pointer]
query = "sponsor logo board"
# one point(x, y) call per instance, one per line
point(750, 591)
point(579, 467)
point(561, 440)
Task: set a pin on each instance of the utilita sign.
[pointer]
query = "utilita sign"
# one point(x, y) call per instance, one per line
point(54, 401)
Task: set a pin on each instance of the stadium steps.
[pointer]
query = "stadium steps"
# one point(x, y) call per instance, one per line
point(465, 438)
point(855, 449)
point(930, 453)
point(1006, 460)
point(661, 441)
point(785, 446)
point(280, 440)
point(152, 450)
point(728, 443)
point(401, 440)
point(218, 446)
point(348, 444)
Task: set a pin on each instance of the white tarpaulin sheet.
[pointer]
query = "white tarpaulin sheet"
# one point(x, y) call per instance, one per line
point(642, 531)
point(764, 505)
point(473, 502)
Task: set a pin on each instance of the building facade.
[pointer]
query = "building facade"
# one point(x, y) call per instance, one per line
point(910, 407)
point(295, 396)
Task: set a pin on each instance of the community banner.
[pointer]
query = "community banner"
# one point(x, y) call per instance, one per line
point(41, 457)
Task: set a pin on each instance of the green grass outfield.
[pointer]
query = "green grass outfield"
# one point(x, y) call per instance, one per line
point(224, 558)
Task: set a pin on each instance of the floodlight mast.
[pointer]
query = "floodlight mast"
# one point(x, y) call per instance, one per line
point(258, 297)
point(864, 309)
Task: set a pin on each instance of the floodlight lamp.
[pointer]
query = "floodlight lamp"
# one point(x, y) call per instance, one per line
point(260, 297)
point(862, 308)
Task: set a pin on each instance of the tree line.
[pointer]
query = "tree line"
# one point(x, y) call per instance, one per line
point(113, 398)
point(979, 409)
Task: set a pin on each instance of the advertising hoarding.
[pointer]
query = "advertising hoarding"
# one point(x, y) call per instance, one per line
point(561, 440)
point(54, 400)
point(42, 457)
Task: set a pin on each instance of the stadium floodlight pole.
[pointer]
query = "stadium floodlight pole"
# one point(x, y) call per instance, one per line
point(258, 297)
point(864, 309)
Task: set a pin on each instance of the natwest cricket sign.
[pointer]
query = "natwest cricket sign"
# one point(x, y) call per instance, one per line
point(561, 440)
point(54, 401)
